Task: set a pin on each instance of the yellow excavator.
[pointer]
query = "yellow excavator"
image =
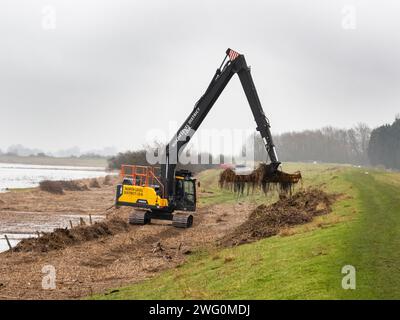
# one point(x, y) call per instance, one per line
point(170, 194)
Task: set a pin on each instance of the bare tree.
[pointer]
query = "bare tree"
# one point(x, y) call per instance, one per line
point(328, 144)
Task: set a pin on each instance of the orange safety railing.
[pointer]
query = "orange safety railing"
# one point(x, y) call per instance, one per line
point(144, 176)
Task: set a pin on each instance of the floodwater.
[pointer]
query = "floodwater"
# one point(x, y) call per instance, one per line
point(28, 175)
point(14, 176)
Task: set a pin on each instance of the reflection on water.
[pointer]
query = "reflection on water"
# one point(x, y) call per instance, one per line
point(27, 175)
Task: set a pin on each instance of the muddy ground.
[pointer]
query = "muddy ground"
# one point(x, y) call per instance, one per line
point(122, 257)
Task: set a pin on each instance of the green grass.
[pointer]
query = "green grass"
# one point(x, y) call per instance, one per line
point(363, 230)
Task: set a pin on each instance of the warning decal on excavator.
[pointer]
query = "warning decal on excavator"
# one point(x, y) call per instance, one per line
point(133, 191)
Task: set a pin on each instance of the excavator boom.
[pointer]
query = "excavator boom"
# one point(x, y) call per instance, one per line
point(233, 63)
point(158, 196)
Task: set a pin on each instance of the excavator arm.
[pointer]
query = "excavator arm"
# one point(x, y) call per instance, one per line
point(233, 63)
point(157, 196)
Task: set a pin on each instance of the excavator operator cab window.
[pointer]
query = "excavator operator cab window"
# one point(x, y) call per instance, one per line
point(185, 194)
point(188, 188)
point(179, 189)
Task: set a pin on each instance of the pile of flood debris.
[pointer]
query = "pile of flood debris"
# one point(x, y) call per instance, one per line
point(59, 186)
point(266, 221)
point(62, 238)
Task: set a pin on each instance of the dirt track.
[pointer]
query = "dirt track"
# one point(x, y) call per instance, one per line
point(108, 262)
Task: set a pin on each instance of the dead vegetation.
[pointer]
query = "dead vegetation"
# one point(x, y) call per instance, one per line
point(266, 221)
point(61, 238)
point(71, 185)
point(263, 177)
point(59, 186)
point(107, 180)
point(54, 187)
point(94, 183)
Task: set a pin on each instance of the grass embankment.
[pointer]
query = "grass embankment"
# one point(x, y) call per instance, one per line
point(304, 262)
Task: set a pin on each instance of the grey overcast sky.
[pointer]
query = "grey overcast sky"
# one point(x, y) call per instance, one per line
point(105, 71)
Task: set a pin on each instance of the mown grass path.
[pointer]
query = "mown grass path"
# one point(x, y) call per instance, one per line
point(373, 245)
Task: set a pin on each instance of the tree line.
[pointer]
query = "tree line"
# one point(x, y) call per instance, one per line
point(359, 145)
point(323, 145)
point(384, 145)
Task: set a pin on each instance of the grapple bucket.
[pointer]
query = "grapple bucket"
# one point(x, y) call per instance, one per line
point(264, 177)
point(284, 177)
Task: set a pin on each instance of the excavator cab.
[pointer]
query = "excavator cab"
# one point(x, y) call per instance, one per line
point(185, 191)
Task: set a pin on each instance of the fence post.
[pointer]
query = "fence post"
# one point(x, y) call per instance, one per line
point(8, 241)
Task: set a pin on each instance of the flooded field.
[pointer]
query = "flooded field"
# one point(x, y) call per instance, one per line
point(29, 212)
point(26, 175)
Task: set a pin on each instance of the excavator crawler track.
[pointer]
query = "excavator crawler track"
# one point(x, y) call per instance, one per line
point(182, 220)
point(139, 217)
